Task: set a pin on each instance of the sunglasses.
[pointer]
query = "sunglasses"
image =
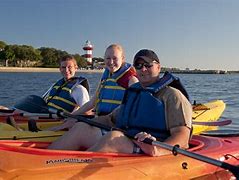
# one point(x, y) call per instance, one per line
point(139, 66)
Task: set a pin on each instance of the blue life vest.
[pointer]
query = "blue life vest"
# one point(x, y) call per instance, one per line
point(60, 95)
point(111, 92)
point(141, 111)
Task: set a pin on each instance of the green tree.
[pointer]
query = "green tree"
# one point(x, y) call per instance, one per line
point(7, 55)
point(2, 45)
point(51, 56)
point(60, 55)
point(26, 56)
point(80, 61)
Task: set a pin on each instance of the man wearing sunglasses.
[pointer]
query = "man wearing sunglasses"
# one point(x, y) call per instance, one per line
point(151, 108)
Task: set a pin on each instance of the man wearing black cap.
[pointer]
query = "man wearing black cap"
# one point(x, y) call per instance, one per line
point(150, 109)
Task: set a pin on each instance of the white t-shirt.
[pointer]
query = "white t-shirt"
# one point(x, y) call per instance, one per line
point(80, 95)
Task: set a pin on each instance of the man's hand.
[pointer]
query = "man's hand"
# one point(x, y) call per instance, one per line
point(146, 148)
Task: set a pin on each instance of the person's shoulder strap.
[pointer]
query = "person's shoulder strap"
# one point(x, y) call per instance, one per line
point(58, 82)
point(84, 82)
point(176, 83)
point(105, 74)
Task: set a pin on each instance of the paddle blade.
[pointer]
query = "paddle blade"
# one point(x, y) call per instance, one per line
point(222, 133)
point(213, 123)
point(32, 104)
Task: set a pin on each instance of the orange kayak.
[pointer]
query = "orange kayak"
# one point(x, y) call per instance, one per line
point(30, 160)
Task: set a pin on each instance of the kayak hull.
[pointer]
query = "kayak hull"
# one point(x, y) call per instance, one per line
point(56, 164)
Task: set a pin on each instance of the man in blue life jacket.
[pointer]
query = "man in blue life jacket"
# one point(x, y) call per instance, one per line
point(70, 92)
point(151, 108)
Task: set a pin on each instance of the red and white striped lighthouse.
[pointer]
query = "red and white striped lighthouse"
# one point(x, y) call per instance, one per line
point(88, 52)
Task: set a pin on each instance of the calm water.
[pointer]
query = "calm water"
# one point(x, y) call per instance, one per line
point(201, 87)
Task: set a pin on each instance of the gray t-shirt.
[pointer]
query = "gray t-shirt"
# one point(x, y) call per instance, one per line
point(178, 110)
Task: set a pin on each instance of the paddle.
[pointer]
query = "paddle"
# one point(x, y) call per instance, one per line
point(213, 123)
point(34, 106)
point(34, 115)
point(80, 119)
point(175, 149)
point(221, 133)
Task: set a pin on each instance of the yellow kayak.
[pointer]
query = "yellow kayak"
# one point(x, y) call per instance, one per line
point(8, 132)
point(207, 112)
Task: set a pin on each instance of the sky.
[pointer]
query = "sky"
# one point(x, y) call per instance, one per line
point(194, 34)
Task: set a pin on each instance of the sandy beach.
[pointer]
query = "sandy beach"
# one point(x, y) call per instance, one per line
point(32, 69)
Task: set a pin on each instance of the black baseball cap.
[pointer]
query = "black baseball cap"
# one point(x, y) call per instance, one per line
point(147, 55)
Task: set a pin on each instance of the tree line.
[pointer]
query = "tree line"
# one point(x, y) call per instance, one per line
point(28, 56)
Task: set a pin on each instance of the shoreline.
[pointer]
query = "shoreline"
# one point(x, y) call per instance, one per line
point(33, 69)
point(38, 69)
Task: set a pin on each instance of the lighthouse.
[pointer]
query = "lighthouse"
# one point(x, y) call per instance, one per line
point(88, 52)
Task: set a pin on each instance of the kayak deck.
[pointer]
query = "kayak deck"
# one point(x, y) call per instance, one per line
point(57, 164)
point(207, 112)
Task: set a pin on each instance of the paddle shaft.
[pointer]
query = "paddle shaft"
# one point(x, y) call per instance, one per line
point(175, 149)
point(83, 119)
point(33, 115)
